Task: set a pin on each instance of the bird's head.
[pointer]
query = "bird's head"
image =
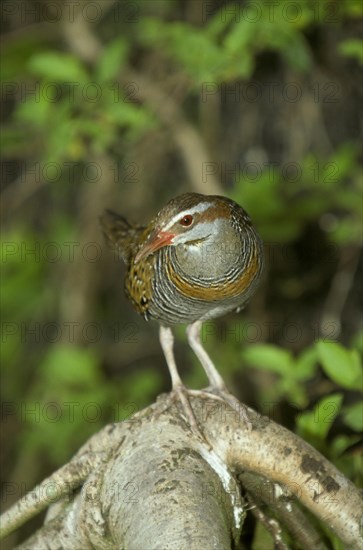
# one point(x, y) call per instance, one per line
point(189, 218)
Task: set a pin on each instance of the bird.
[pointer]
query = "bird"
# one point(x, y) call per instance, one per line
point(197, 260)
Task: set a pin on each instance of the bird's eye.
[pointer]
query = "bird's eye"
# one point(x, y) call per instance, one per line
point(187, 220)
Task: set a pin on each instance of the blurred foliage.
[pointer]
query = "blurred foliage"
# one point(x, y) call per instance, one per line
point(352, 48)
point(105, 112)
point(315, 187)
point(344, 370)
point(229, 44)
point(77, 137)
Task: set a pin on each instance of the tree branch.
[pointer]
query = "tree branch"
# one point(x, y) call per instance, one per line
point(150, 482)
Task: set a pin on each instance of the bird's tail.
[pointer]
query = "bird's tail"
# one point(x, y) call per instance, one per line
point(120, 235)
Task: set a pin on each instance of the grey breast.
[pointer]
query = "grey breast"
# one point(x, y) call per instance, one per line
point(206, 263)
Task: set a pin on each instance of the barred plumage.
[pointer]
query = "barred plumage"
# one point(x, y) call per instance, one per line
point(198, 259)
point(198, 279)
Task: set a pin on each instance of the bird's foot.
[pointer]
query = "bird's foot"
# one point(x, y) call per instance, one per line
point(181, 393)
point(223, 395)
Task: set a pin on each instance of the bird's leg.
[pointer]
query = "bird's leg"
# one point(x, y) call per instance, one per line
point(167, 341)
point(215, 379)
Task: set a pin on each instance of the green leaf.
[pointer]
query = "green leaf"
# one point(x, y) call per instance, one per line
point(352, 8)
point(181, 41)
point(357, 341)
point(347, 232)
point(269, 357)
point(343, 442)
point(317, 423)
point(219, 22)
point(293, 390)
point(341, 365)
point(305, 364)
point(58, 67)
point(16, 54)
point(352, 48)
point(112, 60)
point(353, 416)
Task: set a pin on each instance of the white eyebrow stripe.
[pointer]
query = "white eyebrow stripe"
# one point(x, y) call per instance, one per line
point(201, 207)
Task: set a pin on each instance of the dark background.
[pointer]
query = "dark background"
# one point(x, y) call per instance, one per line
point(124, 105)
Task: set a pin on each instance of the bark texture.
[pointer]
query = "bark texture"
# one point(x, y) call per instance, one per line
point(152, 483)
